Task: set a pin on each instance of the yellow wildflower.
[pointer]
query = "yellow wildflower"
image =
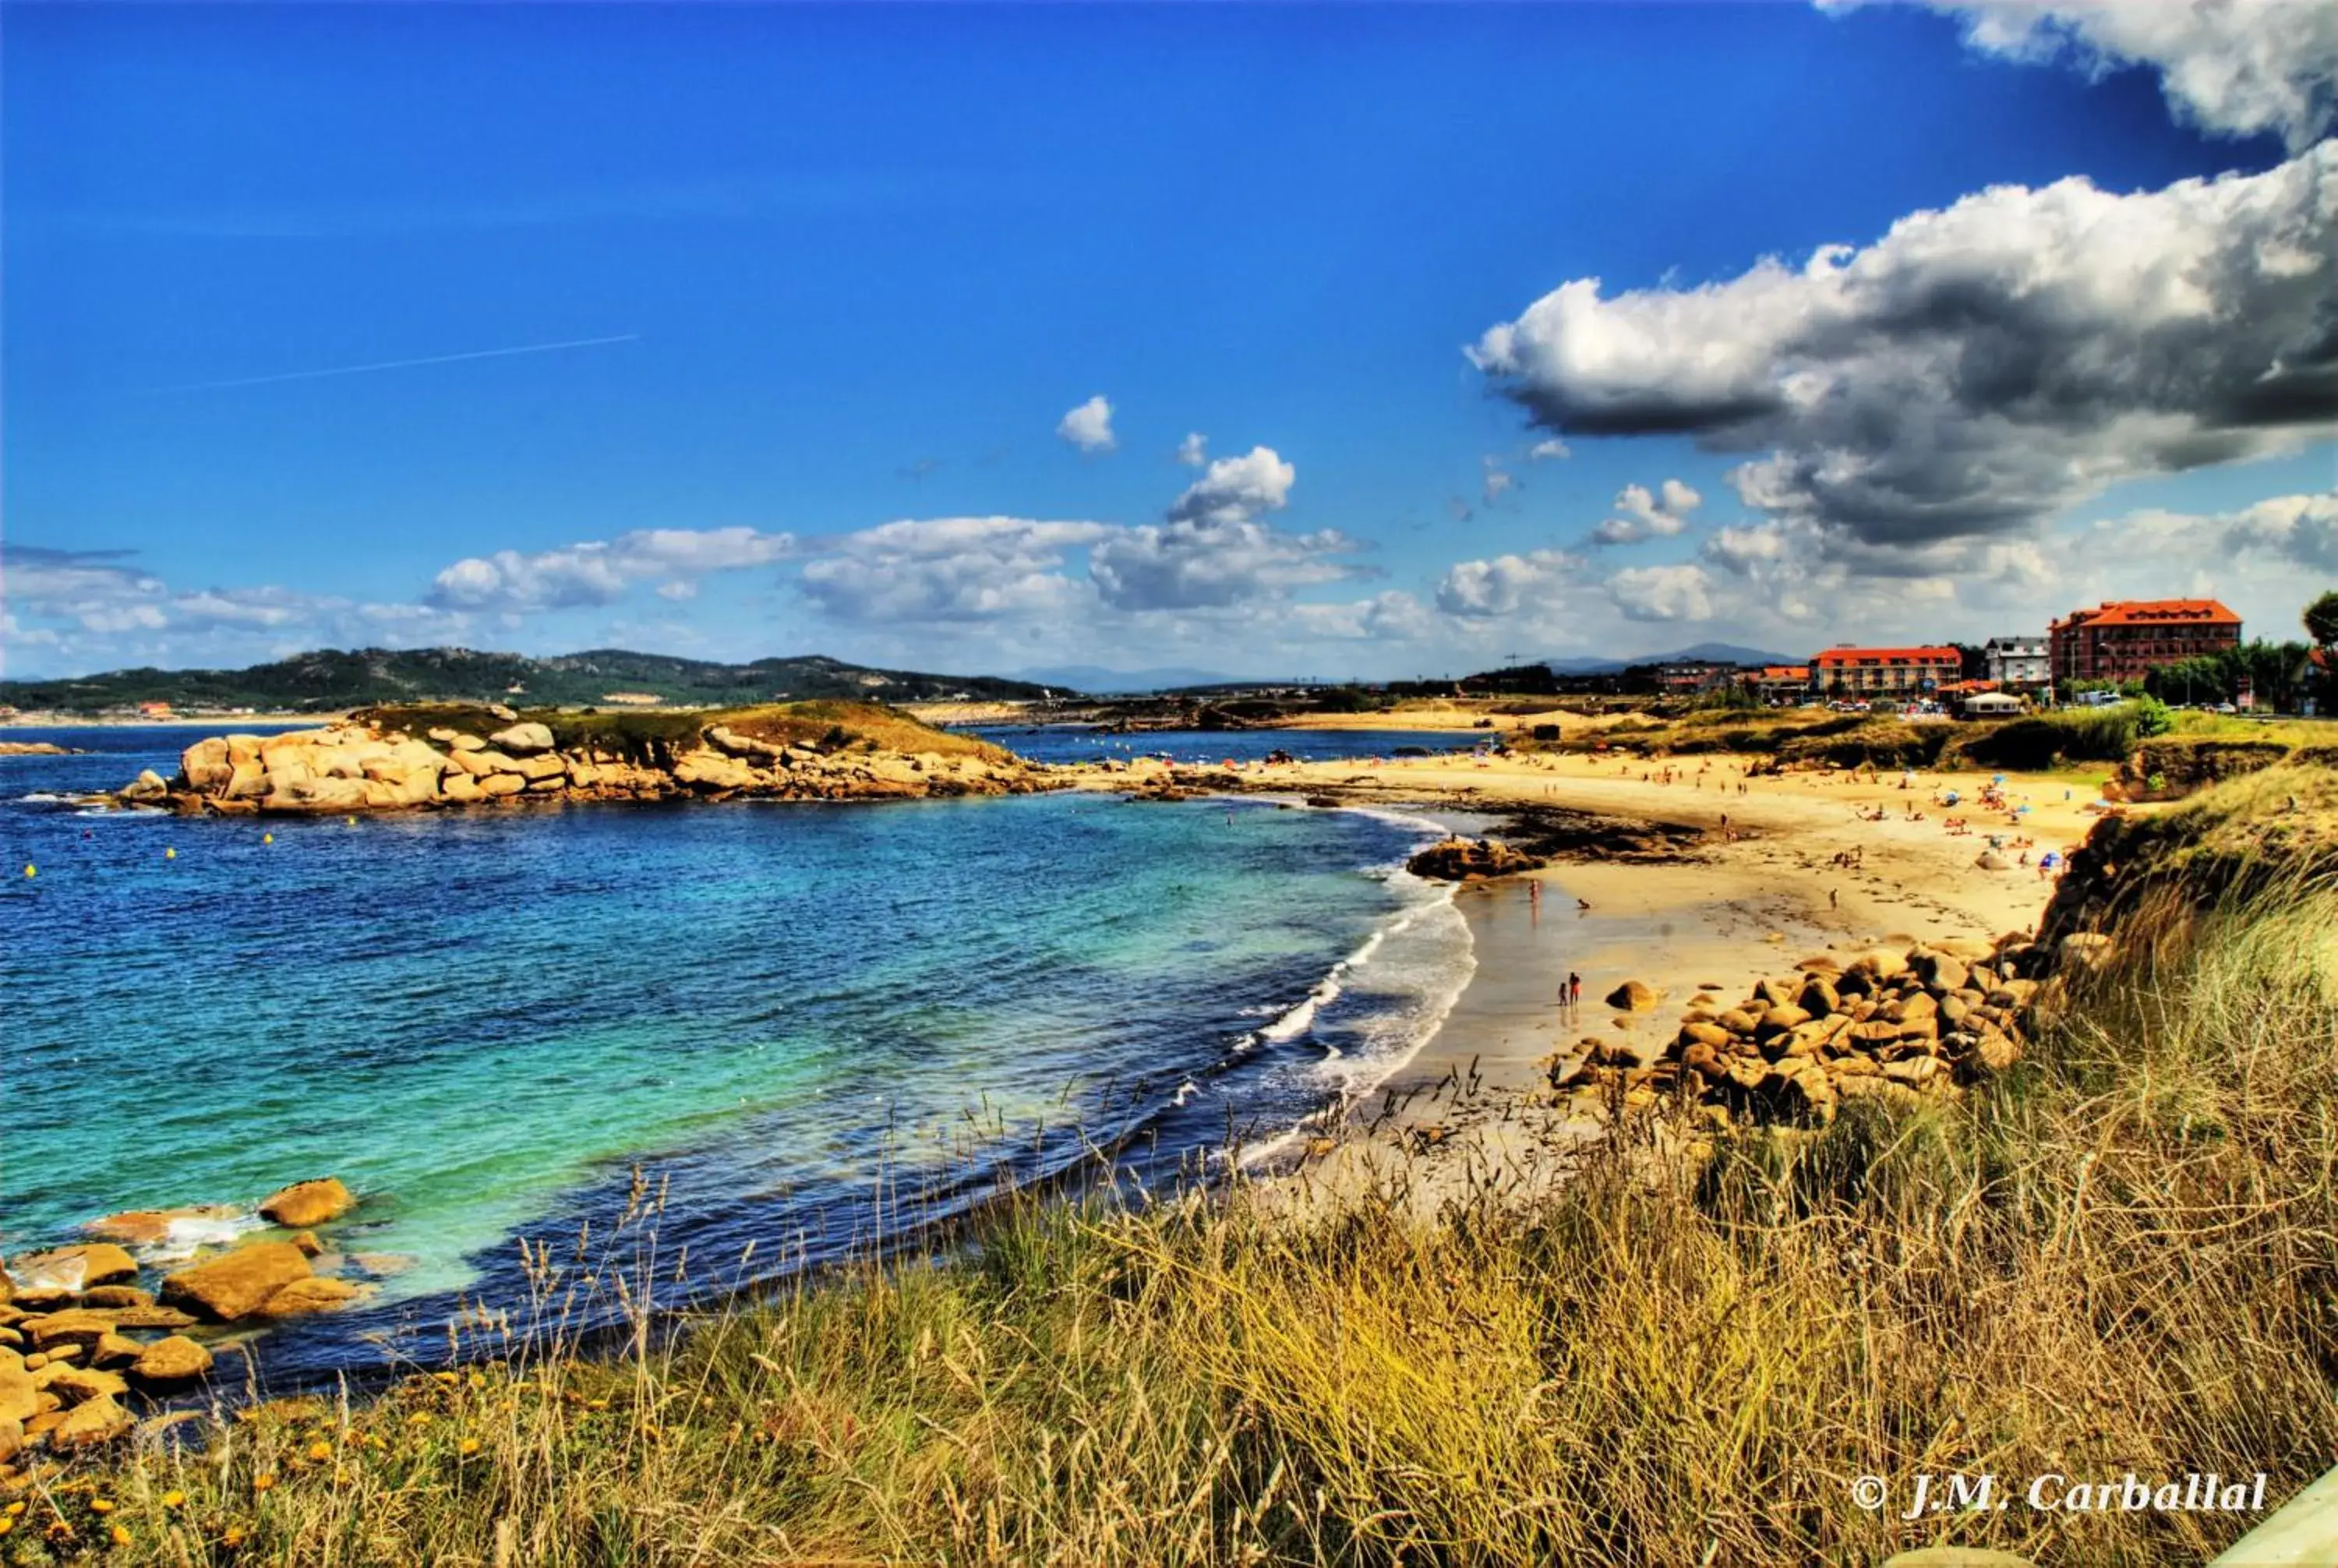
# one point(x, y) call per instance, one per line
point(121, 1534)
point(470, 1445)
point(101, 1506)
point(7, 1523)
point(175, 1499)
point(263, 1483)
point(320, 1452)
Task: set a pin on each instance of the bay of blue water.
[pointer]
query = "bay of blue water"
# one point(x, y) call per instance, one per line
point(809, 1023)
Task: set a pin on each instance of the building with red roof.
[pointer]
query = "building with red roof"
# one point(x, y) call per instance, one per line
point(1884, 671)
point(2123, 639)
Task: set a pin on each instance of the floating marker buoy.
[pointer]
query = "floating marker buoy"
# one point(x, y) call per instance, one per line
point(170, 854)
point(350, 820)
point(32, 871)
point(268, 837)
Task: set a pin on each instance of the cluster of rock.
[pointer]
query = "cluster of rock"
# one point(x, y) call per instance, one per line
point(1459, 860)
point(80, 1338)
point(361, 768)
point(1895, 1024)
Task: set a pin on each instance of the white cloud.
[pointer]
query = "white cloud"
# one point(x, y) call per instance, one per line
point(1089, 426)
point(1194, 450)
point(1237, 489)
point(2237, 67)
point(1661, 592)
point(598, 571)
point(1483, 590)
point(1647, 517)
point(1549, 449)
point(1978, 369)
point(951, 569)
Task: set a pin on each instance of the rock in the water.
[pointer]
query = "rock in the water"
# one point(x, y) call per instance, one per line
point(73, 1326)
point(1634, 996)
point(91, 1424)
point(523, 740)
point(75, 1269)
point(172, 1360)
point(239, 1283)
point(315, 1294)
point(307, 1203)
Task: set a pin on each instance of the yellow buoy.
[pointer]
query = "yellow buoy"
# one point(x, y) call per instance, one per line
point(350, 820)
point(268, 837)
point(32, 871)
point(170, 854)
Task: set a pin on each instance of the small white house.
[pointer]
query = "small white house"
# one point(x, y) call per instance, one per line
point(1992, 705)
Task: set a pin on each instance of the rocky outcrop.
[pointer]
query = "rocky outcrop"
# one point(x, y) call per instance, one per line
point(1461, 860)
point(359, 767)
point(1895, 1024)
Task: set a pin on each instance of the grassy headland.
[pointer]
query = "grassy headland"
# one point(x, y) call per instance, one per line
point(2119, 1256)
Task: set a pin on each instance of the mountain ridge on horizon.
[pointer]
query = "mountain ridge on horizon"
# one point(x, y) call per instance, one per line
point(1714, 652)
point(329, 679)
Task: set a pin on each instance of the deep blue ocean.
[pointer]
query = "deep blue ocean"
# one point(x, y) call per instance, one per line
point(807, 1024)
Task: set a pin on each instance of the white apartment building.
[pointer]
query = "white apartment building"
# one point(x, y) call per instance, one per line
point(2016, 660)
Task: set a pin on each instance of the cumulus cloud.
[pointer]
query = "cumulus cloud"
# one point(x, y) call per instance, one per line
point(1978, 367)
point(1237, 489)
point(1089, 426)
point(1678, 593)
point(1194, 450)
point(1647, 517)
point(2235, 67)
point(2286, 531)
point(1549, 450)
point(1215, 549)
point(599, 571)
point(950, 569)
point(1483, 590)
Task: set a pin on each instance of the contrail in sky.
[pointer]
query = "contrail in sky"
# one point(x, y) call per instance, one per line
point(398, 364)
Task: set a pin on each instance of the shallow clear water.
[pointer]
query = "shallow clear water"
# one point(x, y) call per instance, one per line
point(482, 1020)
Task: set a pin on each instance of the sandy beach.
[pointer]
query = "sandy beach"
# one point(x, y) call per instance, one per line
point(1758, 891)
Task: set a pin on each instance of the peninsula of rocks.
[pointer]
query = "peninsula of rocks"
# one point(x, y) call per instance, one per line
point(421, 758)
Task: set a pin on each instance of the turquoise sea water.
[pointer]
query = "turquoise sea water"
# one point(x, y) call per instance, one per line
point(483, 1021)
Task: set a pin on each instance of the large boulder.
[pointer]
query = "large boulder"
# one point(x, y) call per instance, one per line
point(307, 1203)
point(237, 1284)
point(172, 1361)
point(91, 1424)
point(711, 771)
point(1634, 996)
point(523, 740)
point(19, 1400)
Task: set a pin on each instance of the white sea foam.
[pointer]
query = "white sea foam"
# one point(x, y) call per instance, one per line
point(187, 1234)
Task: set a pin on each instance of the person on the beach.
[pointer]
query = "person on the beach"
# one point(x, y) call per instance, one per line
point(1573, 990)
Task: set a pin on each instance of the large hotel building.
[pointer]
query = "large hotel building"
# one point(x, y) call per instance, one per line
point(2121, 640)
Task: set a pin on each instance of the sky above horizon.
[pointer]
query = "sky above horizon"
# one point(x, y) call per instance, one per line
point(1364, 341)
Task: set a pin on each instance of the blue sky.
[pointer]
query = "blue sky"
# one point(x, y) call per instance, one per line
point(842, 277)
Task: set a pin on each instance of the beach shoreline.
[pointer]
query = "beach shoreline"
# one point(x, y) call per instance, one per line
point(1759, 872)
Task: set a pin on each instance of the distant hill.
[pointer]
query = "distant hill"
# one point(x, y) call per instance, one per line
point(1714, 653)
point(1095, 679)
point(330, 680)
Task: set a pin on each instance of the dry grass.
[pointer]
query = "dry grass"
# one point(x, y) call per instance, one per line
point(2120, 1257)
